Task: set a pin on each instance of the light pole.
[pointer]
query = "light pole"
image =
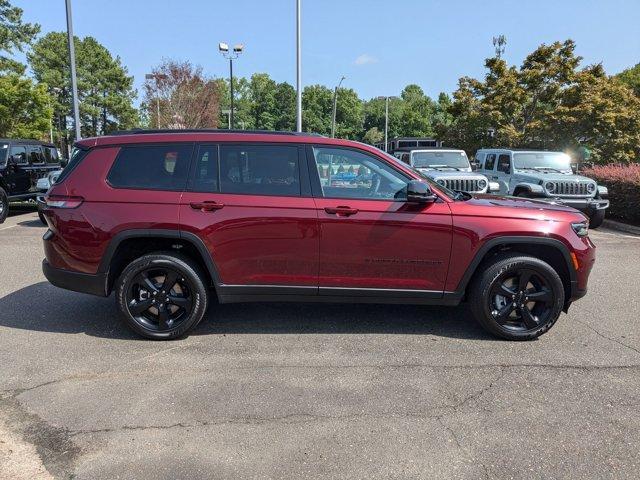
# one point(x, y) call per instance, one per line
point(156, 77)
point(231, 55)
point(386, 120)
point(298, 71)
point(72, 63)
point(335, 106)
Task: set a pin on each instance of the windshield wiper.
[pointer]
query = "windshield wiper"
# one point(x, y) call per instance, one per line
point(547, 168)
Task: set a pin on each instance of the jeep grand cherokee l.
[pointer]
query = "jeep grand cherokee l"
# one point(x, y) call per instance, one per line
point(171, 220)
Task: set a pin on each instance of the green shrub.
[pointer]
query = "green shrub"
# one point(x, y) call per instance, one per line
point(623, 182)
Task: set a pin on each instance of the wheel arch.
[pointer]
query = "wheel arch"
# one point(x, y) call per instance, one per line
point(130, 244)
point(550, 250)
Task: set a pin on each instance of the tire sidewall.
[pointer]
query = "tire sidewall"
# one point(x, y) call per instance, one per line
point(198, 291)
point(507, 265)
point(4, 200)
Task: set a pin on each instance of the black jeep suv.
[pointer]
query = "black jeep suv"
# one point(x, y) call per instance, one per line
point(22, 163)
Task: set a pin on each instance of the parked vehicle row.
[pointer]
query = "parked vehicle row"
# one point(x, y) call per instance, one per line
point(23, 163)
point(169, 220)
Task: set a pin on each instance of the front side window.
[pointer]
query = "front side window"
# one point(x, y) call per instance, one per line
point(348, 173)
point(151, 167)
point(490, 162)
point(260, 169)
point(504, 164)
point(4, 151)
point(19, 154)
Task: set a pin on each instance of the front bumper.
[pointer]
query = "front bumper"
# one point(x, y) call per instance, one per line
point(582, 204)
point(76, 281)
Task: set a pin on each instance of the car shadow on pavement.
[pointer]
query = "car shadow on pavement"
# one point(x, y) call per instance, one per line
point(32, 223)
point(43, 307)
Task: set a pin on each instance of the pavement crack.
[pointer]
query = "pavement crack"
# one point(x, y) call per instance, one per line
point(599, 333)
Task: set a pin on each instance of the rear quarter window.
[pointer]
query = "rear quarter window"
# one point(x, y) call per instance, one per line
point(151, 167)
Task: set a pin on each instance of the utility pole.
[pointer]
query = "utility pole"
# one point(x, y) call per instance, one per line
point(335, 107)
point(298, 71)
point(72, 62)
point(223, 48)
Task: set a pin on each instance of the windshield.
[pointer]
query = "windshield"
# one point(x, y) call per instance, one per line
point(542, 160)
point(4, 148)
point(439, 159)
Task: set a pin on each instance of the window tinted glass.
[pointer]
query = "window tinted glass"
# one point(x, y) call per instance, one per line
point(504, 163)
point(35, 154)
point(259, 169)
point(351, 174)
point(19, 154)
point(205, 174)
point(490, 162)
point(4, 150)
point(154, 167)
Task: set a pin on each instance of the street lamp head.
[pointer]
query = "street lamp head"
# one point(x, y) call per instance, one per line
point(238, 48)
point(223, 47)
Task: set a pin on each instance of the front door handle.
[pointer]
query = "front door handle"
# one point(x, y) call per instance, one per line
point(206, 206)
point(341, 211)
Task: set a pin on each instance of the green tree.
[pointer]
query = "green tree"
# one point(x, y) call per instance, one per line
point(285, 97)
point(105, 90)
point(631, 78)
point(14, 36)
point(417, 112)
point(317, 109)
point(263, 111)
point(24, 108)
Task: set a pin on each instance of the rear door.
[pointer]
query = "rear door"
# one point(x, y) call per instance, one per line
point(38, 167)
point(251, 205)
point(372, 242)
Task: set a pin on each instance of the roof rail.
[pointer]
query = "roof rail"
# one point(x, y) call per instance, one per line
point(139, 131)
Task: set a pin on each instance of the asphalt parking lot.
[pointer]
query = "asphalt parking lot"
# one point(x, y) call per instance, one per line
point(339, 391)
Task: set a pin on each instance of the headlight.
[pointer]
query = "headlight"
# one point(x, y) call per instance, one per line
point(591, 187)
point(482, 183)
point(550, 186)
point(581, 228)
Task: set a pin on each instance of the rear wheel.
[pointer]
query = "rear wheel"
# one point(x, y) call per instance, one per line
point(596, 219)
point(4, 205)
point(517, 297)
point(162, 296)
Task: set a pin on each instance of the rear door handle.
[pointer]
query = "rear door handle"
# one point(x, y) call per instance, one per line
point(206, 206)
point(341, 211)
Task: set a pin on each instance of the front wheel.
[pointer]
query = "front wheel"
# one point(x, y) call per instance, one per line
point(162, 295)
point(517, 297)
point(596, 219)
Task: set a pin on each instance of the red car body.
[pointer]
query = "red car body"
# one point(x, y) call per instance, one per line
point(283, 247)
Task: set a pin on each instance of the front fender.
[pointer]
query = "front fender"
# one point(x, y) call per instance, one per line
point(533, 189)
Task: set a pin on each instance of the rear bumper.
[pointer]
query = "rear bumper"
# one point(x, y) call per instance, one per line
point(76, 281)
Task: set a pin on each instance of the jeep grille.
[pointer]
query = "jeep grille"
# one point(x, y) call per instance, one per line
point(470, 185)
point(571, 188)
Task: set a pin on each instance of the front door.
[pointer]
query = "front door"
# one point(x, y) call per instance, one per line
point(372, 242)
point(18, 171)
point(503, 173)
point(251, 205)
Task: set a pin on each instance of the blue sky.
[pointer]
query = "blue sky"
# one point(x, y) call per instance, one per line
point(380, 46)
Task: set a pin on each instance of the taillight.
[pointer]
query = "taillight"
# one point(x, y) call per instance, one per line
point(63, 201)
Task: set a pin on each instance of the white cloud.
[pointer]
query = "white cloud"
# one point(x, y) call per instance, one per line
point(365, 59)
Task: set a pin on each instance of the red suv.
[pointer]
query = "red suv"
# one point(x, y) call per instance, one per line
point(170, 220)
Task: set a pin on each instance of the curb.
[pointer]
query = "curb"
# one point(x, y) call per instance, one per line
point(621, 227)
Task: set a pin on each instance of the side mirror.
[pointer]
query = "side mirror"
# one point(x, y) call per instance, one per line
point(494, 187)
point(418, 192)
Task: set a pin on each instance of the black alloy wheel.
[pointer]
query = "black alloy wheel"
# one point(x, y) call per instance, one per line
point(159, 299)
point(521, 300)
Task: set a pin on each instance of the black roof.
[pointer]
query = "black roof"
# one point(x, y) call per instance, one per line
point(26, 141)
point(138, 131)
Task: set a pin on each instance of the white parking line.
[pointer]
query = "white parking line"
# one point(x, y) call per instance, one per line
point(7, 228)
point(612, 234)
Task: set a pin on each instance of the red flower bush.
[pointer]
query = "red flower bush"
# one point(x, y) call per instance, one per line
point(623, 182)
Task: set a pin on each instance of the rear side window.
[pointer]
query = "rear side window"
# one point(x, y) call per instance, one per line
point(35, 154)
point(490, 162)
point(151, 167)
point(504, 163)
point(260, 169)
point(205, 171)
point(51, 155)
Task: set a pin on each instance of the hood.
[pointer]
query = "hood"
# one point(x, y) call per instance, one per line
point(535, 177)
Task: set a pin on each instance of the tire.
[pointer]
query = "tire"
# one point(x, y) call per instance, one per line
point(4, 205)
point(596, 219)
point(502, 275)
point(147, 302)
